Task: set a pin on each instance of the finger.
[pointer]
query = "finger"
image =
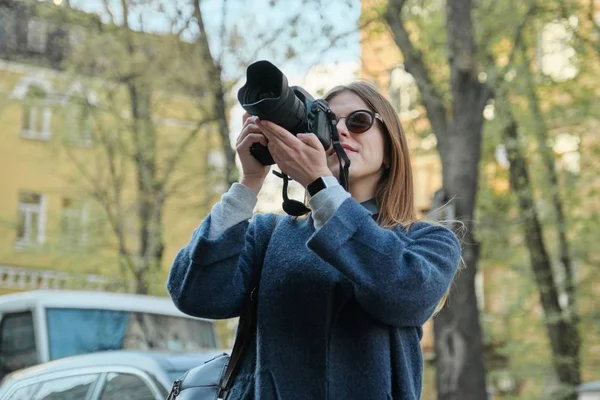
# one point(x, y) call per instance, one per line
point(262, 125)
point(245, 117)
point(249, 119)
point(279, 150)
point(251, 139)
point(311, 140)
point(275, 132)
point(278, 161)
point(249, 128)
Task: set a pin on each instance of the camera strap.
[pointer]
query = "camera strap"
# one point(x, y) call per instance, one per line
point(295, 207)
point(341, 153)
point(291, 207)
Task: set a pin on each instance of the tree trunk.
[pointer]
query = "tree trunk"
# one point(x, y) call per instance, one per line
point(458, 336)
point(219, 97)
point(459, 351)
point(148, 203)
point(141, 283)
point(541, 133)
point(460, 365)
point(562, 331)
point(231, 170)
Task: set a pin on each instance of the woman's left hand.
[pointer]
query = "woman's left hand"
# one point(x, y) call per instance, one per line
point(302, 157)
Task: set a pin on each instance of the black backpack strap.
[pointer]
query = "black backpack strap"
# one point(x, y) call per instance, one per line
point(247, 326)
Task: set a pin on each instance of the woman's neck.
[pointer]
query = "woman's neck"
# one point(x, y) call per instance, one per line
point(364, 189)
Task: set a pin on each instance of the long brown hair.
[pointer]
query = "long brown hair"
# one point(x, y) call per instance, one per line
point(395, 193)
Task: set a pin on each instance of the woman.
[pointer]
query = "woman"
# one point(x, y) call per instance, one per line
point(343, 293)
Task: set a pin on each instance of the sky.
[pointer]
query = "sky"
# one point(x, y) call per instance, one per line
point(250, 18)
point(317, 66)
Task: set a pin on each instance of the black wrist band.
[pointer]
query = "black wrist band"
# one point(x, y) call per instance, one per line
point(316, 186)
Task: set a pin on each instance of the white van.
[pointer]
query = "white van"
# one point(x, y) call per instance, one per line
point(589, 391)
point(45, 325)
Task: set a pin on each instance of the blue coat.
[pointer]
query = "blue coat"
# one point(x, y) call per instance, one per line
point(340, 310)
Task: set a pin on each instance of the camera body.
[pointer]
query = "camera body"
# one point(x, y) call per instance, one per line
point(267, 95)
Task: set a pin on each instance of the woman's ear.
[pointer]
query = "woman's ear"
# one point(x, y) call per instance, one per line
point(386, 161)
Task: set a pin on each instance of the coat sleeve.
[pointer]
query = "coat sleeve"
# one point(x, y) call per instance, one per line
point(211, 278)
point(398, 277)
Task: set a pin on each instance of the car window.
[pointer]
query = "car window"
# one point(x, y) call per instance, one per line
point(76, 331)
point(17, 342)
point(163, 391)
point(67, 388)
point(23, 393)
point(126, 386)
point(73, 331)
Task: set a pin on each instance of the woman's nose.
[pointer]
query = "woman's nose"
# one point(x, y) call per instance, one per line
point(342, 128)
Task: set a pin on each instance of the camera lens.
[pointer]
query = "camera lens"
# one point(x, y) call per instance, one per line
point(267, 95)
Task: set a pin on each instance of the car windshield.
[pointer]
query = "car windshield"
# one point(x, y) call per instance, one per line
point(74, 331)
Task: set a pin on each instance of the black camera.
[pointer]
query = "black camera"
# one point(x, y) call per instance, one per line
point(267, 95)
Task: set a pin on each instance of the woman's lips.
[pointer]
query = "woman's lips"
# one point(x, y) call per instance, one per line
point(346, 147)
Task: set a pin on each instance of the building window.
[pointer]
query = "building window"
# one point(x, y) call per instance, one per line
point(37, 35)
point(37, 114)
point(556, 55)
point(8, 29)
point(73, 224)
point(404, 93)
point(79, 124)
point(80, 105)
point(31, 220)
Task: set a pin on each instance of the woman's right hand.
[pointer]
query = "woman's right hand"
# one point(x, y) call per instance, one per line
point(253, 172)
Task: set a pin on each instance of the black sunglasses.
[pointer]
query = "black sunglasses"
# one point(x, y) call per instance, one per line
point(360, 121)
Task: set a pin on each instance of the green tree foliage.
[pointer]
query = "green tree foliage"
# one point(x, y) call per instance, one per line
point(555, 112)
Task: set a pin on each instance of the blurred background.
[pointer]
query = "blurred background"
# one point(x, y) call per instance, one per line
point(117, 119)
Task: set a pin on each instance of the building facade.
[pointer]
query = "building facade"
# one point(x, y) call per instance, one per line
point(56, 161)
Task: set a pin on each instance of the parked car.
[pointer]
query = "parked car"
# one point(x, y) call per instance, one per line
point(589, 391)
point(46, 325)
point(106, 375)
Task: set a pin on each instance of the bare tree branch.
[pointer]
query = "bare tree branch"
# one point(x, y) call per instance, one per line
point(114, 217)
point(518, 37)
point(109, 12)
point(517, 41)
point(223, 32)
point(176, 157)
point(185, 27)
point(591, 11)
point(218, 96)
point(334, 40)
point(414, 64)
point(187, 180)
